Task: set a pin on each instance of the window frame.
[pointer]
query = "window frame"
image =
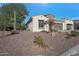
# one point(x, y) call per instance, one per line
point(40, 22)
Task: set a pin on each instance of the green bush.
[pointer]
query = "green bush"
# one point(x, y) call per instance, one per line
point(39, 41)
point(53, 30)
point(74, 33)
point(23, 27)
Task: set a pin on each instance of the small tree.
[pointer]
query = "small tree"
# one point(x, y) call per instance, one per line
point(16, 12)
point(51, 22)
point(3, 19)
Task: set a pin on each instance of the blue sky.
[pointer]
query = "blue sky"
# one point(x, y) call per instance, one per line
point(59, 10)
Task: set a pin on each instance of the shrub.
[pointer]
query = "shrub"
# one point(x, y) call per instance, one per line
point(45, 31)
point(53, 30)
point(74, 33)
point(23, 27)
point(39, 41)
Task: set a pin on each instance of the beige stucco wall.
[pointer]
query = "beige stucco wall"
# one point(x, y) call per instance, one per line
point(68, 22)
point(36, 23)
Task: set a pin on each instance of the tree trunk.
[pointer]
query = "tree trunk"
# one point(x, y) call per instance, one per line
point(14, 24)
point(3, 34)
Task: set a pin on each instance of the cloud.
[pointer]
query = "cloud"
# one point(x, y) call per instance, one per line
point(75, 18)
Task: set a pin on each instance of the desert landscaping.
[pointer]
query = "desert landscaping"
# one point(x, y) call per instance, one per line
point(24, 34)
point(23, 44)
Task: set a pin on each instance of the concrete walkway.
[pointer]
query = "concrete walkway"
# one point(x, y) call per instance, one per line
point(74, 51)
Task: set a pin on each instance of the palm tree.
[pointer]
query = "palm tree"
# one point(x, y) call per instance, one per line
point(16, 12)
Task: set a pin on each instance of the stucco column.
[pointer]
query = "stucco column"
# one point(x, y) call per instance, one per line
point(72, 26)
point(64, 26)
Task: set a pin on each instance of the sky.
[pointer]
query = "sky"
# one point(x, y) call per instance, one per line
point(59, 10)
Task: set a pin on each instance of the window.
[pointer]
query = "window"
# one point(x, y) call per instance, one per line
point(69, 26)
point(41, 23)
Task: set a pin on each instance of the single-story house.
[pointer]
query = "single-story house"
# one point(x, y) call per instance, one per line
point(40, 23)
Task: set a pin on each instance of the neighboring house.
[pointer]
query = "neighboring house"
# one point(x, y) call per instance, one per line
point(64, 24)
point(76, 24)
point(40, 23)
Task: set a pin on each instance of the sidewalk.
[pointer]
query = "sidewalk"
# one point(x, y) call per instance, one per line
point(74, 51)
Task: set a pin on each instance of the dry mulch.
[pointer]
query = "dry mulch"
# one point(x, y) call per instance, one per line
point(22, 44)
